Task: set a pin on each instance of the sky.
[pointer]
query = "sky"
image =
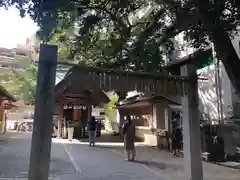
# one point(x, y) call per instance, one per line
point(14, 29)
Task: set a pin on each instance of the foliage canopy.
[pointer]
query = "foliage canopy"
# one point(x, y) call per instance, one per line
point(136, 34)
point(21, 82)
point(109, 108)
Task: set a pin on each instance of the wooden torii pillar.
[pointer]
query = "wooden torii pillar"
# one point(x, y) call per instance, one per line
point(42, 126)
point(1, 114)
point(187, 67)
point(191, 125)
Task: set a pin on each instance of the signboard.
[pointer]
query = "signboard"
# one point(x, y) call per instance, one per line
point(205, 59)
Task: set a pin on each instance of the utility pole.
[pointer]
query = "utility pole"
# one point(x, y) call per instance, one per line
point(42, 127)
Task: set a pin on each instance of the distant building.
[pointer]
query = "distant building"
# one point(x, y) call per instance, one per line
point(8, 56)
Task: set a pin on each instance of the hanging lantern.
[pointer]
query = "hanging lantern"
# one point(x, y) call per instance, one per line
point(77, 107)
point(68, 106)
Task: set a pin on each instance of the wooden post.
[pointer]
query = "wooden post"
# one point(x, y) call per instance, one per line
point(42, 128)
point(1, 115)
point(60, 119)
point(168, 127)
point(89, 112)
point(5, 122)
point(191, 126)
point(89, 116)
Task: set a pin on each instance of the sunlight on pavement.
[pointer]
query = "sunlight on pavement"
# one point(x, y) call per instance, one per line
point(66, 141)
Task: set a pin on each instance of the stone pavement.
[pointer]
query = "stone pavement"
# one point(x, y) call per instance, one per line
point(7, 136)
point(99, 163)
point(76, 161)
point(171, 168)
point(163, 163)
point(14, 157)
point(70, 161)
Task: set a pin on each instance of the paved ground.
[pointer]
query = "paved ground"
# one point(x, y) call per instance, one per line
point(77, 161)
point(99, 163)
point(171, 168)
point(164, 164)
point(70, 162)
point(14, 155)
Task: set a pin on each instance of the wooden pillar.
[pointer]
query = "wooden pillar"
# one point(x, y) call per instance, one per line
point(60, 119)
point(4, 121)
point(89, 109)
point(89, 115)
point(168, 127)
point(1, 114)
point(191, 126)
point(64, 128)
point(42, 126)
point(156, 123)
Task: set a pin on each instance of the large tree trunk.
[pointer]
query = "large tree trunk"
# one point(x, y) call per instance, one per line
point(227, 54)
point(222, 42)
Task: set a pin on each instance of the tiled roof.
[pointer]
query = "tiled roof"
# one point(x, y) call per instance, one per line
point(141, 97)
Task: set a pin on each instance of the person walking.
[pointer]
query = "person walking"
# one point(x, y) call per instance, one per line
point(177, 138)
point(129, 138)
point(92, 131)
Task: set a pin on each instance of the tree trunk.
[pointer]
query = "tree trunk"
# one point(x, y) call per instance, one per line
point(227, 54)
point(223, 44)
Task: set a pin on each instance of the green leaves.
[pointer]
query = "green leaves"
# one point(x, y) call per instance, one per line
point(109, 108)
point(127, 34)
point(22, 82)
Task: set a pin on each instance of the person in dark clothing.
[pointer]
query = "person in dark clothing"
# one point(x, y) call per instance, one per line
point(176, 141)
point(217, 150)
point(92, 125)
point(98, 129)
point(129, 139)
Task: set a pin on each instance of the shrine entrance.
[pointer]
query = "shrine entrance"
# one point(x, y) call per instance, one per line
point(184, 86)
point(75, 103)
point(79, 115)
point(82, 83)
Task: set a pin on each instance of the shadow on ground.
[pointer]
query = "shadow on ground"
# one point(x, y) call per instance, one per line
point(159, 165)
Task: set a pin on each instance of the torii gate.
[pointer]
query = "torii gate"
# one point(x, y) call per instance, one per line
point(120, 81)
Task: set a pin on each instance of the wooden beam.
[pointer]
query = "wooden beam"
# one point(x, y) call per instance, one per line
point(90, 70)
point(75, 95)
point(124, 81)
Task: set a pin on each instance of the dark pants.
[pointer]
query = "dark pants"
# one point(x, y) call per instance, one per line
point(92, 135)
